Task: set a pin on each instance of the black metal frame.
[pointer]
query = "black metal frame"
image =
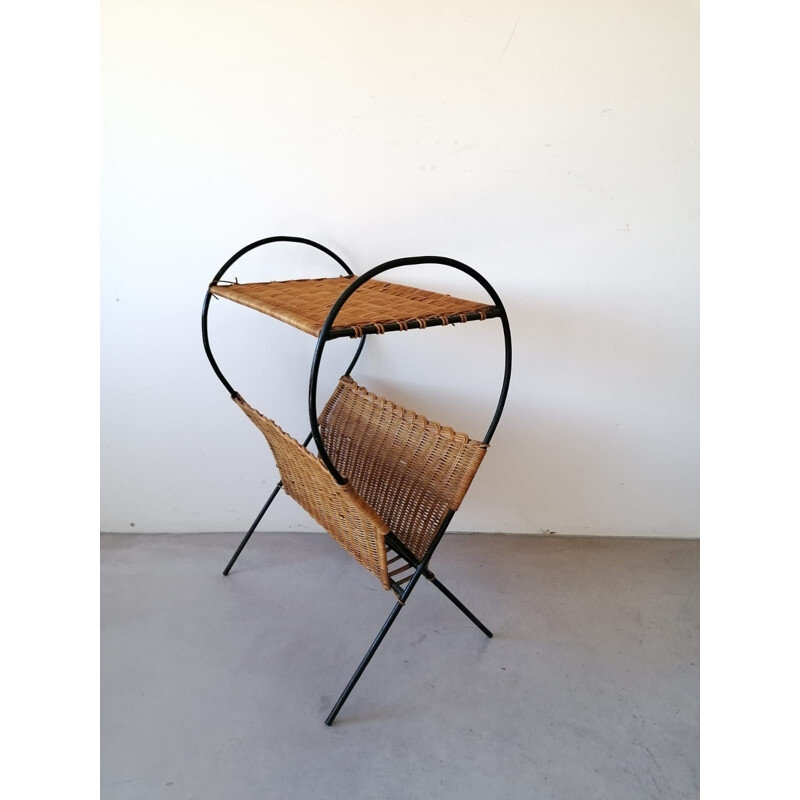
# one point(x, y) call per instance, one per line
point(218, 372)
point(326, 334)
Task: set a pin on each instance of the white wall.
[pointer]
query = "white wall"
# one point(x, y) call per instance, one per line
point(552, 145)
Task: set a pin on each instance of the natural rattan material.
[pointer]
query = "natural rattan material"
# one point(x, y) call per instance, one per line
point(339, 509)
point(410, 470)
point(306, 303)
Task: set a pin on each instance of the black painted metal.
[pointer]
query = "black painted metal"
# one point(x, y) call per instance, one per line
point(261, 513)
point(325, 335)
point(389, 620)
point(252, 528)
point(421, 567)
point(227, 265)
point(364, 661)
point(207, 347)
point(353, 362)
point(218, 372)
point(459, 605)
point(395, 544)
point(280, 484)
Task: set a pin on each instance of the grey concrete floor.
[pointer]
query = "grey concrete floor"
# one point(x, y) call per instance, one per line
point(216, 688)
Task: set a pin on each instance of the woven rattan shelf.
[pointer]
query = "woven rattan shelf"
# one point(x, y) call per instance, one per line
point(386, 481)
point(378, 307)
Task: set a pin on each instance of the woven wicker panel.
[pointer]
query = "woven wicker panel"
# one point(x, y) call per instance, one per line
point(410, 470)
point(306, 303)
point(339, 509)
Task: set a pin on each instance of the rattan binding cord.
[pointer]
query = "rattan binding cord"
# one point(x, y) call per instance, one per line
point(338, 509)
point(305, 303)
point(408, 469)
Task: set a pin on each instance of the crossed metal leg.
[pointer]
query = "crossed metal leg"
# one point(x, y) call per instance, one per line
point(420, 571)
point(458, 604)
point(252, 528)
point(388, 624)
point(261, 513)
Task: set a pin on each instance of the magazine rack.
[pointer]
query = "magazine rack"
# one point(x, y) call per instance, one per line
point(386, 481)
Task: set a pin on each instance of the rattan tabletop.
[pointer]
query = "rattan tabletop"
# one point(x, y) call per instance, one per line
point(376, 307)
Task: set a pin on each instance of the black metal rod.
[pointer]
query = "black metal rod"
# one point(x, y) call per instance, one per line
point(218, 372)
point(390, 619)
point(364, 661)
point(399, 548)
point(258, 519)
point(353, 286)
point(226, 266)
point(395, 544)
point(272, 239)
point(207, 348)
point(252, 528)
point(423, 565)
point(308, 438)
point(353, 362)
point(458, 604)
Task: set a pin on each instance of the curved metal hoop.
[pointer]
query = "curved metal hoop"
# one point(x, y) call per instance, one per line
point(353, 287)
point(228, 264)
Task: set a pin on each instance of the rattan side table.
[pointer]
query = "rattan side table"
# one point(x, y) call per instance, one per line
point(386, 481)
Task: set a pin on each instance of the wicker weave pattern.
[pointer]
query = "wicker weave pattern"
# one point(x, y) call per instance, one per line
point(306, 303)
point(410, 470)
point(339, 509)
